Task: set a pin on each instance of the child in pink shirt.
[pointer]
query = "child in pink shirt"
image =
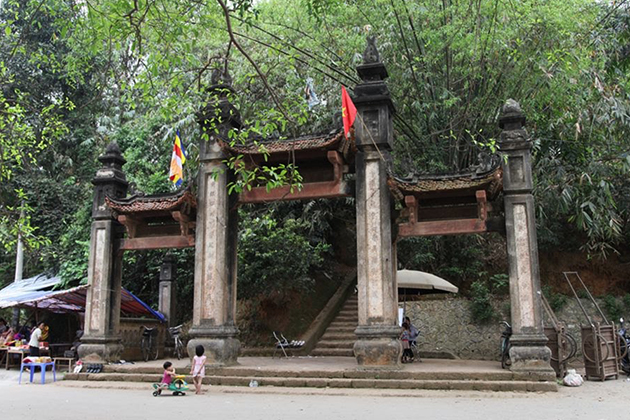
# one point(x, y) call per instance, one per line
point(198, 368)
point(167, 378)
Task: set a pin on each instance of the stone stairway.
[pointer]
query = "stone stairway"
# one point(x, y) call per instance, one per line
point(339, 338)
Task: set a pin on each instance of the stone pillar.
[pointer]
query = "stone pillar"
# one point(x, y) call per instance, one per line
point(167, 296)
point(528, 352)
point(214, 307)
point(101, 340)
point(377, 333)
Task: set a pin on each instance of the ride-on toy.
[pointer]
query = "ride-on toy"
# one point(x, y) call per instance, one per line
point(178, 386)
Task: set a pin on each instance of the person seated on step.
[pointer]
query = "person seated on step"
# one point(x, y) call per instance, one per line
point(413, 336)
point(407, 355)
point(413, 332)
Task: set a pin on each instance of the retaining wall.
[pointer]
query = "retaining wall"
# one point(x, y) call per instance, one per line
point(446, 325)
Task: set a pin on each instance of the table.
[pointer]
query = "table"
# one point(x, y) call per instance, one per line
point(68, 360)
point(42, 366)
point(13, 350)
point(3, 354)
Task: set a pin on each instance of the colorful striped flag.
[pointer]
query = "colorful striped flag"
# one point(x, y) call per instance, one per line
point(178, 159)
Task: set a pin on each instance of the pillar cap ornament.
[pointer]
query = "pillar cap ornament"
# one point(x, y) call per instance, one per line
point(219, 115)
point(372, 69)
point(109, 181)
point(111, 171)
point(168, 269)
point(512, 117)
point(514, 137)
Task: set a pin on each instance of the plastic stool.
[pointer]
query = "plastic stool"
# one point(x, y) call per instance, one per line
point(42, 367)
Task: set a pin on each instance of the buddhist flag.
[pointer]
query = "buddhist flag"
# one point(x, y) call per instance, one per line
point(348, 111)
point(178, 159)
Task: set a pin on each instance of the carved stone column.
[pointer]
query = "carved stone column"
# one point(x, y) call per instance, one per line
point(101, 339)
point(167, 295)
point(377, 334)
point(214, 307)
point(528, 352)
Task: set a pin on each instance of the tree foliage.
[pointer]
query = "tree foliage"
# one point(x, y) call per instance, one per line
point(276, 259)
point(75, 76)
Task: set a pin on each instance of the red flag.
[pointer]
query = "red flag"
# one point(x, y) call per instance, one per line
point(348, 111)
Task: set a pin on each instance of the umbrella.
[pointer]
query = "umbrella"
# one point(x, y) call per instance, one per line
point(416, 283)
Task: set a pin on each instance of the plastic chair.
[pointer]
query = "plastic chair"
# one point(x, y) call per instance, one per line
point(42, 367)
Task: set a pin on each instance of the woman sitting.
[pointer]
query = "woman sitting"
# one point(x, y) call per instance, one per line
point(7, 338)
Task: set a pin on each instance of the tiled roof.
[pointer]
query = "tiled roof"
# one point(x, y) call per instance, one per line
point(152, 203)
point(490, 181)
point(331, 141)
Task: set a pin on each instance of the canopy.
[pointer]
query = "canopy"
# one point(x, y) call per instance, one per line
point(36, 293)
point(412, 282)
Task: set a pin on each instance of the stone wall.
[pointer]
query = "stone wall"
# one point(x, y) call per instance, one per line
point(446, 325)
point(131, 334)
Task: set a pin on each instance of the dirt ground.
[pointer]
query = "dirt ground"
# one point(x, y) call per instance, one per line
point(77, 400)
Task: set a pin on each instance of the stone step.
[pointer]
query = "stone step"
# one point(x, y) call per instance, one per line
point(349, 311)
point(332, 352)
point(323, 382)
point(338, 336)
point(335, 344)
point(346, 318)
point(336, 323)
point(497, 375)
point(348, 328)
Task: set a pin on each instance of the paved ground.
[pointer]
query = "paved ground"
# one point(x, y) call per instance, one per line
point(77, 400)
point(323, 364)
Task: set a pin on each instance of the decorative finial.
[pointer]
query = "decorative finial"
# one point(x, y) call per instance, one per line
point(112, 156)
point(371, 55)
point(512, 117)
point(512, 107)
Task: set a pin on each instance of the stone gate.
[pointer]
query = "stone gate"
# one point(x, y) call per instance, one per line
point(331, 166)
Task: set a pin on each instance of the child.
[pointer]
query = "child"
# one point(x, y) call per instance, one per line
point(167, 378)
point(198, 368)
point(407, 355)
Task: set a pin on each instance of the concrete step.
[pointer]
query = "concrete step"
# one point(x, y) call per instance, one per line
point(335, 344)
point(291, 371)
point(498, 375)
point(332, 352)
point(332, 382)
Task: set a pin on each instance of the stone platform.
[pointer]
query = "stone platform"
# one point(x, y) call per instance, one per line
point(339, 372)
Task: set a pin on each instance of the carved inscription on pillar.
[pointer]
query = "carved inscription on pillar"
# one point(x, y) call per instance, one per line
point(100, 270)
point(374, 239)
point(523, 265)
point(216, 232)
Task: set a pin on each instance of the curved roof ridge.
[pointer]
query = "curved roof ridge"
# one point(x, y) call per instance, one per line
point(310, 141)
point(159, 202)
